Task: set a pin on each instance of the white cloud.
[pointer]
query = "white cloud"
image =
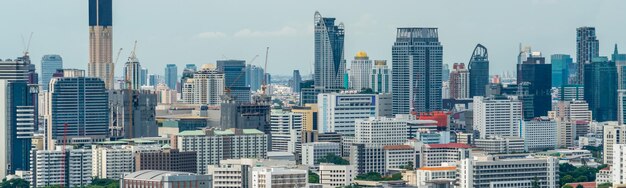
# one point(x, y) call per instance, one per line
point(211, 35)
point(283, 32)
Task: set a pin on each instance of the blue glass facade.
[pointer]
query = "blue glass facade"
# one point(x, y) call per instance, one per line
point(560, 69)
point(601, 89)
point(171, 75)
point(100, 12)
point(49, 65)
point(235, 78)
point(19, 117)
point(330, 64)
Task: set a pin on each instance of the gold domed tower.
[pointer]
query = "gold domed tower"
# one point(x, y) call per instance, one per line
point(361, 55)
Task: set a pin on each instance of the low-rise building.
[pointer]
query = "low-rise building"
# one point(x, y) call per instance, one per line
point(500, 144)
point(314, 151)
point(332, 175)
point(167, 159)
point(238, 172)
point(478, 172)
point(437, 154)
point(604, 176)
point(425, 176)
point(67, 168)
point(165, 179)
point(398, 157)
point(539, 134)
point(112, 162)
point(266, 177)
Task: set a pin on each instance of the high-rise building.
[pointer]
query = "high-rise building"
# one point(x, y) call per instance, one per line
point(205, 87)
point(417, 58)
point(601, 89)
point(132, 72)
point(278, 177)
point(534, 71)
point(101, 41)
point(132, 119)
point(380, 130)
point(338, 111)
point(360, 69)
point(314, 151)
point(500, 144)
point(286, 130)
point(587, 48)
point(445, 72)
point(330, 65)
point(479, 71)
point(254, 77)
point(309, 116)
point(235, 79)
point(19, 118)
point(143, 78)
point(167, 159)
point(459, 82)
point(539, 134)
point(112, 162)
point(617, 167)
point(620, 62)
point(621, 106)
point(296, 78)
point(571, 92)
point(73, 118)
point(61, 167)
point(497, 116)
point(171, 76)
point(380, 81)
point(560, 69)
point(255, 115)
point(612, 136)
point(49, 65)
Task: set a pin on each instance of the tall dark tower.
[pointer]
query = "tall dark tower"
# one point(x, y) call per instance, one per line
point(601, 88)
point(101, 41)
point(479, 71)
point(587, 47)
point(538, 75)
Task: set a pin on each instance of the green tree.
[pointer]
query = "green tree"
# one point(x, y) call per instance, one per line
point(567, 186)
point(334, 159)
point(408, 166)
point(313, 177)
point(567, 179)
point(370, 176)
point(579, 186)
point(14, 183)
point(396, 176)
point(536, 182)
point(605, 185)
point(581, 179)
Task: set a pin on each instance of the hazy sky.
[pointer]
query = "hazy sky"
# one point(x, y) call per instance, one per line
point(202, 31)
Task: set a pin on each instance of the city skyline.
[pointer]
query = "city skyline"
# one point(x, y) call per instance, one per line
point(368, 30)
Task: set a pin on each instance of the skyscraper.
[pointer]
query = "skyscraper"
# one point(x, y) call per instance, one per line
point(360, 69)
point(143, 78)
point(235, 78)
point(601, 89)
point(132, 118)
point(535, 72)
point(560, 69)
point(171, 76)
point(416, 70)
point(101, 41)
point(132, 72)
point(49, 65)
point(587, 47)
point(380, 77)
point(620, 62)
point(478, 71)
point(330, 65)
point(205, 87)
point(254, 77)
point(459, 82)
point(296, 79)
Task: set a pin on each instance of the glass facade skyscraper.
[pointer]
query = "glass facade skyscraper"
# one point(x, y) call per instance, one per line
point(535, 72)
point(330, 65)
point(478, 71)
point(171, 76)
point(601, 89)
point(49, 65)
point(235, 78)
point(18, 114)
point(560, 69)
point(417, 57)
point(587, 47)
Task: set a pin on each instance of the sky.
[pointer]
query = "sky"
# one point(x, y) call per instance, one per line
point(203, 31)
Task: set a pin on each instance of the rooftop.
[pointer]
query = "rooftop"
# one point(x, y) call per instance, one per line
point(437, 168)
point(154, 175)
point(397, 147)
point(449, 145)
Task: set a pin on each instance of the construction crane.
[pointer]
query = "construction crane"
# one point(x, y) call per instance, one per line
point(26, 44)
point(264, 86)
point(227, 88)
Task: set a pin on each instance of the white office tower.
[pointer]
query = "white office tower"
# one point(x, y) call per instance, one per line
point(263, 177)
point(497, 116)
point(613, 135)
point(286, 131)
point(112, 162)
point(573, 110)
point(213, 145)
point(337, 111)
point(360, 68)
point(67, 168)
point(519, 173)
point(618, 168)
point(312, 152)
point(332, 175)
point(206, 87)
point(539, 134)
point(380, 131)
point(380, 80)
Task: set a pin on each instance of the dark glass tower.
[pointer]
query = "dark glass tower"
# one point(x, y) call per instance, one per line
point(235, 78)
point(560, 69)
point(601, 89)
point(330, 66)
point(479, 71)
point(587, 47)
point(535, 72)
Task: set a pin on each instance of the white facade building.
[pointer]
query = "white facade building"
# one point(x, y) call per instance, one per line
point(206, 87)
point(286, 131)
point(573, 110)
point(380, 77)
point(337, 111)
point(423, 177)
point(312, 152)
point(381, 130)
point(618, 170)
point(613, 134)
point(500, 144)
point(621, 106)
point(459, 82)
point(539, 134)
point(332, 175)
point(438, 154)
point(112, 162)
point(497, 116)
point(359, 75)
point(238, 172)
point(519, 173)
point(49, 167)
point(267, 177)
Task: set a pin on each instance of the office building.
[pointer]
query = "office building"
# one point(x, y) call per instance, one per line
point(497, 116)
point(571, 92)
point(539, 134)
point(601, 89)
point(573, 110)
point(167, 159)
point(612, 136)
point(296, 78)
point(534, 71)
point(74, 119)
point(621, 106)
point(332, 175)
point(338, 111)
point(61, 167)
point(478, 71)
point(560, 69)
point(165, 179)
point(309, 116)
point(620, 62)
point(436, 154)
point(380, 130)
point(112, 162)
point(143, 77)
point(255, 115)
point(254, 77)
point(206, 87)
point(587, 48)
point(19, 120)
point(238, 172)
point(459, 82)
point(617, 166)
point(278, 177)
point(132, 119)
point(380, 80)
point(49, 65)
point(477, 173)
point(330, 65)
point(430, 176)
point(132, 72)
point(314, 151)
point(101, 41)
point(417, 57)
point(212, 145)
point(234, 78)
point(286, 128)
point(360, 69)
point(171, 76)
point(500, 144)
